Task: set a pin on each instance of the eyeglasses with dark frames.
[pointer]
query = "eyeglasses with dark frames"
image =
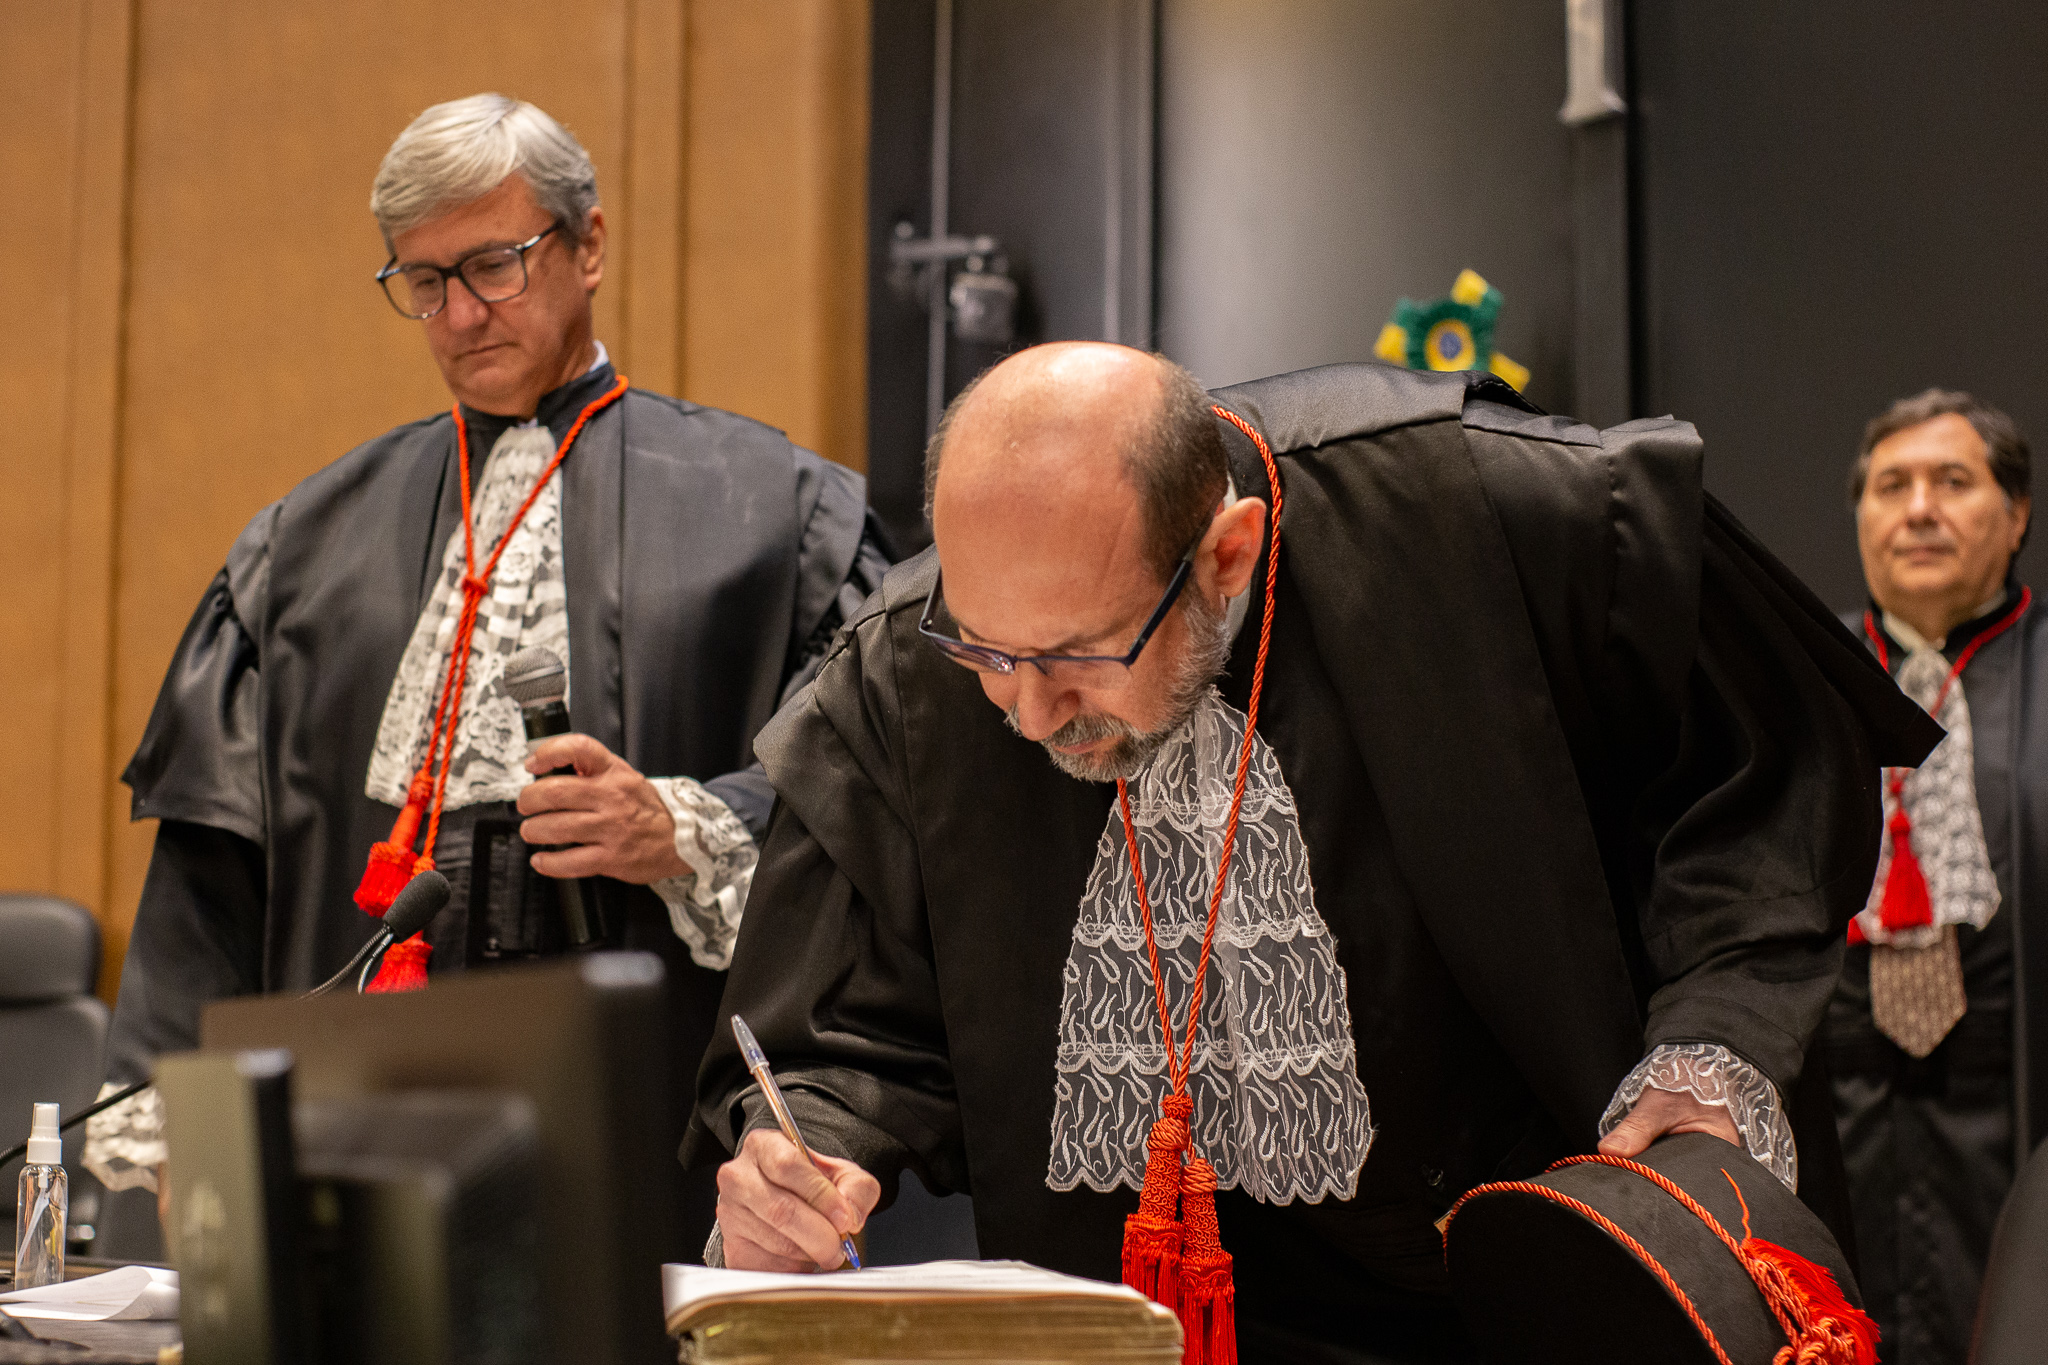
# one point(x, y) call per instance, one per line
point(1074, 670)
point(494, 274)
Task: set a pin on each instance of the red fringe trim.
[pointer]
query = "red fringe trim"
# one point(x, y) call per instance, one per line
point(1826, 1328)
point(1208, 1307)
point(1905, 904)
point(391, 867)
point(1152, 1259)
point(404, 967)
point(393, 863)
point(1152, 1235)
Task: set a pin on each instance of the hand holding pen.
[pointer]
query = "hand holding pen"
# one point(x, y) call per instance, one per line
point(781, 1205)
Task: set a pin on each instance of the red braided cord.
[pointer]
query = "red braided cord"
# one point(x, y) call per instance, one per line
point(1663, 1182)
point(1180, 1060)
point(1173, 1076)
point(1780, 1297)
point(1990, 633)
point(474, 585)
point(1612, 1229)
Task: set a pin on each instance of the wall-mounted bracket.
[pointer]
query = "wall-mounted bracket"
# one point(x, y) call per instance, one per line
point(1593, 56)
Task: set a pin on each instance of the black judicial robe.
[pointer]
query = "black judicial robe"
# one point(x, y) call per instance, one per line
point(1932, 1144)
point(702, 553)
point(1580, 769)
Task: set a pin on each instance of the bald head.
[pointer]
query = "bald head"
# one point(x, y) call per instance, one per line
point(1081, 441)
point(1065, 487)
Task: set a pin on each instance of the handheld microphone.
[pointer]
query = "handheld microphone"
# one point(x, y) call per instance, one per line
point(410, 911)
point(537, 682)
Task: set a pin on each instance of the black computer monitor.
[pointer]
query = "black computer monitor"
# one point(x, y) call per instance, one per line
point(586, 1041)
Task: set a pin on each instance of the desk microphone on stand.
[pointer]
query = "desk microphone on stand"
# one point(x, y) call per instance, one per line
point(410, 911)
point(419, 902)
point(537, 682)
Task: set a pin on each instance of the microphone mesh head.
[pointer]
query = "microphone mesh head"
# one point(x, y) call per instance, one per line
point(535, 677)
point(418, 903)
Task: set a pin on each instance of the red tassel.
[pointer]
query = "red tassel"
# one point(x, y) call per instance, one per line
point(1829, 1330)
point(1821, 1326)
point(1208, 1307)
point(1152, 1235)
point(1856, 934)
point(404, 967)
point(1905, 904)
point(393, 863)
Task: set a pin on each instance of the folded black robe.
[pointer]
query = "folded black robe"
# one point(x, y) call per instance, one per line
point(1581, 770)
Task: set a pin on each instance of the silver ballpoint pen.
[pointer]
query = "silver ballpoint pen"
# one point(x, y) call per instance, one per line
point(757, 1062)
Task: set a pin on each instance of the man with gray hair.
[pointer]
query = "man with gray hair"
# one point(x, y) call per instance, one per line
point(1937, 1034)
point(336, 716)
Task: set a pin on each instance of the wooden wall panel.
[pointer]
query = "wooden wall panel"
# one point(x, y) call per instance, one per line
point(649, 229)
point(776, 275)
point(68, 148)
point(44, 45)
point(194, 328)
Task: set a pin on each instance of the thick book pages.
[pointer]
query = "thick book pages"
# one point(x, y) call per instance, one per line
point(963, 1311)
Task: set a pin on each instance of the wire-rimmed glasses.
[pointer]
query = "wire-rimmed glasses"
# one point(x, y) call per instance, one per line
point(494, 274)
point(1072, 670)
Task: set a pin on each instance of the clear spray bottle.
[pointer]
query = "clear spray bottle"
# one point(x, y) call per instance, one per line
point(42, 1202)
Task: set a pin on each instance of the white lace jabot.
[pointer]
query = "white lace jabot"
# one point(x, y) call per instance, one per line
point(528, 605)
point(1279, 1111)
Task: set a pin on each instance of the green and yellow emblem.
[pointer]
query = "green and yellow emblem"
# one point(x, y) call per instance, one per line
point(1450, 333)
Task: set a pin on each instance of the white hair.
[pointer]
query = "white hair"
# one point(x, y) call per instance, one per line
point(462, 150)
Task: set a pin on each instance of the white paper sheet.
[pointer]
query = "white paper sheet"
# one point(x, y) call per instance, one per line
point(686, 1287)
point(130, 1293)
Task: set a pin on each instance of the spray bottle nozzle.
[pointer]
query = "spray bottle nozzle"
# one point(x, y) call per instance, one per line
point(45, 1143)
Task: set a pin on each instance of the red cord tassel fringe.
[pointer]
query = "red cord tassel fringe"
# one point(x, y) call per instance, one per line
point(1208, 1298)
point(1905, 904)
point(1152, 1235)
point(1821, 1326)
point(1824, 1327)
point(404, 967)
point(1179, 1261)
point(393, 863)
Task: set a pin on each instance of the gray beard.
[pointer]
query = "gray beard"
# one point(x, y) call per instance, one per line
point(1208, 649)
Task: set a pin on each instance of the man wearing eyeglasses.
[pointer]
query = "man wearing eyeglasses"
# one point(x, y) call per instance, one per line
point(1546, 794)
point(685, 564)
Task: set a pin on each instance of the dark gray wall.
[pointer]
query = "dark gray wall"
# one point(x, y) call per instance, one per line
point(899, 190)
point(1841, 202)
point(1319, 159)
point(1052, 154)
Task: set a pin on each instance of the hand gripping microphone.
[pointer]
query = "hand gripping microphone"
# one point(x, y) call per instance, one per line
point(410, 910)
point(537, 682)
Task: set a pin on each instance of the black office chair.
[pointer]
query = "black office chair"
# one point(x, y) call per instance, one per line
point(2012, 1312)
point(53, 1031)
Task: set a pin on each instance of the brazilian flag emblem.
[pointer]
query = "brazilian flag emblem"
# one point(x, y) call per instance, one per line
point(1451, 333)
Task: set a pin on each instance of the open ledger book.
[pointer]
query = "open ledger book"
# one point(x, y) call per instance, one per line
point(963, 1311)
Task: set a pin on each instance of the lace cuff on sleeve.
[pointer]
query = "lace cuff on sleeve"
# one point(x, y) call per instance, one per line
point(125, 1144)
point(1712, 1074)
point(705, 906)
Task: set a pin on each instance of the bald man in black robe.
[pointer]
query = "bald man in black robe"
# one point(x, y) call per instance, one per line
point(1564, 792)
